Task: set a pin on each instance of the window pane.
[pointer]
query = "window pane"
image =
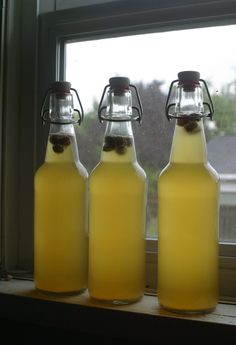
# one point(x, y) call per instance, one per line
point(152, 61)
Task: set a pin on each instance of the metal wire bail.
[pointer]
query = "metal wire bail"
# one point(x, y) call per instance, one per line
point(78, 115)
point(131, 87)
point(209, 105)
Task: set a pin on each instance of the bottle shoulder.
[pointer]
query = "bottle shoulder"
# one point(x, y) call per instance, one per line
point(212, 171)
point(82, 170)
point(140, 170)
point(117, 170)
point(188, 172)
point(55, 170)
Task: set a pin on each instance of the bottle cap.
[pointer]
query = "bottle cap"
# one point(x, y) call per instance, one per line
point(119, 82)
point(188, 77)
point(61, 86)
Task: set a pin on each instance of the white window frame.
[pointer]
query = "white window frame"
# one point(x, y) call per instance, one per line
point(55, 28)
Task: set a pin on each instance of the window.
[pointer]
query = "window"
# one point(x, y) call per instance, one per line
point(58, 31)
point(102, 31)
point(153, 68)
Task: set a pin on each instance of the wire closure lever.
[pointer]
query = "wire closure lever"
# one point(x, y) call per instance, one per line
point(189, 80)
point(62, 89)
point(118, 86)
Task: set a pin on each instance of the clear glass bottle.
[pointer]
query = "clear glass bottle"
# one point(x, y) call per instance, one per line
point(61, 238)
point(188, 190)
point(117, 217)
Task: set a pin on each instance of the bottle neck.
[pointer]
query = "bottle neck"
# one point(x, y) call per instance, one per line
point(119, 104)
point(61, 107)
point(62, 144)
point(118, 145)
point(189, 143)
point(189, 100)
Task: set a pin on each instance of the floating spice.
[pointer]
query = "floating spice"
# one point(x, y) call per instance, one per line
point(59, 142)
point(117, 143)
point(190, 123)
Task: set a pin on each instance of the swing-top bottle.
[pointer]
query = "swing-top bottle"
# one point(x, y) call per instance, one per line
point(188, 190)
point(61, 200)
point(117, 197)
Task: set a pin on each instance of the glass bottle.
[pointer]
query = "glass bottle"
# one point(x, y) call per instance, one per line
point(61, 237)
point(188, 190)
point(117, 218)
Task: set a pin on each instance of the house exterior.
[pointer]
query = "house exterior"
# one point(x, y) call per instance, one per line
point(222, 156)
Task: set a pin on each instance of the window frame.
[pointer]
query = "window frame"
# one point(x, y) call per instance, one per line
point(116, 19)
point(17, 143)
point(2, 59)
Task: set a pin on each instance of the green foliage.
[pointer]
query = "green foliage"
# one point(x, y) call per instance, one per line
point(90, 139)
point(151, 227)
point(225, 111)
point(154, 136)
point(152, 175)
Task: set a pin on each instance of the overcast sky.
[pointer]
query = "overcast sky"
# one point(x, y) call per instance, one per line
point(160, 56)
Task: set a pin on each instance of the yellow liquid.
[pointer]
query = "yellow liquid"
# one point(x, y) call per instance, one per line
point(117, 229)
point(60, 224)
point(188, 234)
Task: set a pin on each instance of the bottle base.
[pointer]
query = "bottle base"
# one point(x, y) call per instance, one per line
point(115, 302)
point(188, 312)
point(60, 294)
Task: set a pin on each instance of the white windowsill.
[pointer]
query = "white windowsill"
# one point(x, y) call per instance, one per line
point(143, 321)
